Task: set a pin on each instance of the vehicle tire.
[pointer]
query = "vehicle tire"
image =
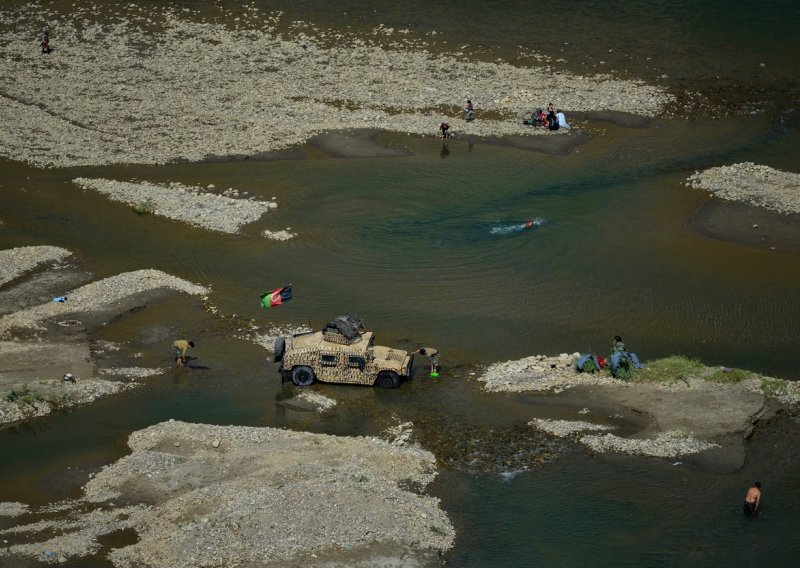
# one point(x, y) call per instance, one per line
point(387, 380)
point(280, 349)
point(302, 376)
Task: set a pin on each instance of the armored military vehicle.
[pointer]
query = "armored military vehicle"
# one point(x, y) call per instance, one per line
point(343, 352)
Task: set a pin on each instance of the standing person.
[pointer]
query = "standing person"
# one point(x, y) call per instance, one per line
point(433, 354)
point(45, 42)
point(551, 110)
point(470, 111)
point(445, 128)
point(752, 500)
point(181, 346)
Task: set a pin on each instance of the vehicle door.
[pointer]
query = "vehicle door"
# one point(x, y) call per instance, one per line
point(330, 367)
point(355, 368)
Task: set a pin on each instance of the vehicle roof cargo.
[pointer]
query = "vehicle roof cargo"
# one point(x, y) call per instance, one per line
point(348, 326)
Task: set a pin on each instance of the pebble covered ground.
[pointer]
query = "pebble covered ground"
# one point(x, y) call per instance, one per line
point(98, 295)
point(187, 204)
point(752, 184)
point(245, 494)
point(124, 90)
point(17, 261)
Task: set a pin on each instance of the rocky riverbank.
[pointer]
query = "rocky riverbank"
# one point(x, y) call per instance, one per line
point(44, 343)
point(686, 407)
point(202, 495)
point(752, 184)
point(120, 89)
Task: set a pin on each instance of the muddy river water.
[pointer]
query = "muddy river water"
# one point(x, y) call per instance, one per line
point(424, 247)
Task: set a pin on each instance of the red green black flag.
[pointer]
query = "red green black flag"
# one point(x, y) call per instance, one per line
point(276, 297)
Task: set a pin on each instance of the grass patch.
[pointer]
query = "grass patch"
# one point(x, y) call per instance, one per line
point(732, 376)
point(13, 395)
point(436, 530)
point(774, 387)
point(23, 396)
point(143, 208)
point(669, 369)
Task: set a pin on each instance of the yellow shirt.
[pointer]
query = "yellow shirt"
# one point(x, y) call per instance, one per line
point(181, 345)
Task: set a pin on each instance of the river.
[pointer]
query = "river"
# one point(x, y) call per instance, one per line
point(423, 248)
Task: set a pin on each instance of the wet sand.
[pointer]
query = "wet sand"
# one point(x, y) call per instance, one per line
point(746, 225)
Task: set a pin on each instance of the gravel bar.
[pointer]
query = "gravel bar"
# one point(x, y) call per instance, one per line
point(125, 90)
point(99, 295)
point(17, 261)
point(204, 495)
point(187, 204)
point(753, 184)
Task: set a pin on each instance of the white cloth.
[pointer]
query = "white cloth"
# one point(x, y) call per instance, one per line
point(562, 120)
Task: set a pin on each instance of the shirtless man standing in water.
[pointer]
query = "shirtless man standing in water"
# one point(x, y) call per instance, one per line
point(753, 499)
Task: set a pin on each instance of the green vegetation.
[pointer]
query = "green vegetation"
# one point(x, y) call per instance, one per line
point(436, 530)
point(13, 395)
point(669, 369)
point(729, 376)
point(143, 208)
point(23, 396)
point(773, 387)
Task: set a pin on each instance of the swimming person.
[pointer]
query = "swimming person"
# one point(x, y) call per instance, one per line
point(752, 500)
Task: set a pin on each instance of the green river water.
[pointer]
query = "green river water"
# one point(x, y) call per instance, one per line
point(415, 246)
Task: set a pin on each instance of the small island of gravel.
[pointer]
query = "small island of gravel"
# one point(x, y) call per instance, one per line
point(752, 184)
point(684, 407)
point(203, 495)
point(187, 204)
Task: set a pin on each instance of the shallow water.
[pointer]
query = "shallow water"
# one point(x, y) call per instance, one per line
point(407, 243)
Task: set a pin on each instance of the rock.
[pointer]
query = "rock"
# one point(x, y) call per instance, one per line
point(215, 443)
point(177, 444)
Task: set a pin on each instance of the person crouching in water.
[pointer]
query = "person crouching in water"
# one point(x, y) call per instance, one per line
point(181, 346)
point(433, 355)
point(445, 128)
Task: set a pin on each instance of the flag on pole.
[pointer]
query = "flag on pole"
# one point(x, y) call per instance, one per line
point(276, 297)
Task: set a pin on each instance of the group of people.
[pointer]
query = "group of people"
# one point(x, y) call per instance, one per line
point(552, 120)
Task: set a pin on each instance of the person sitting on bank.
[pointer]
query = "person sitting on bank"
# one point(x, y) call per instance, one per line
point(181, 346)
point(433, 354)
point(562, 119)
point(618, 345)
point(752, 499)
